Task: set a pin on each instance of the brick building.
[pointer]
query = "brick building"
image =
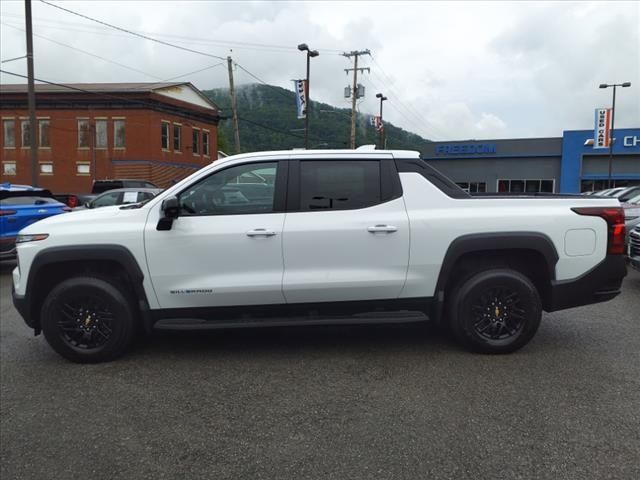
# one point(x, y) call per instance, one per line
point(160, 132)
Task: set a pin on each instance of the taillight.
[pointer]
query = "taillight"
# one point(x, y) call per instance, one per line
point(614, 216)
point(7, 212)
point(72, 201)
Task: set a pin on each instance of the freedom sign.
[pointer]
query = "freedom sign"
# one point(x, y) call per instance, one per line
point(602, 132)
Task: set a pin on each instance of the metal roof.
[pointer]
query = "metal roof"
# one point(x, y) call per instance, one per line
point(129, 87)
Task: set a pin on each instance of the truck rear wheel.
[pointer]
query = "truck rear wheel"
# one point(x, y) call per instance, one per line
point(88, 320)
point(495, 311)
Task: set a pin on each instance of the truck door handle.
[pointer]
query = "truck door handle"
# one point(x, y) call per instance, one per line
point(382, 229)
point(260, 232)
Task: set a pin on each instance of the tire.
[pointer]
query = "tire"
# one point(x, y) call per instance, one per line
point(88, 320)
point(495, 311)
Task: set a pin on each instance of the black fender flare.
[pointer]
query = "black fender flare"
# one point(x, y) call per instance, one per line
point(73, 253)
point(477, 242)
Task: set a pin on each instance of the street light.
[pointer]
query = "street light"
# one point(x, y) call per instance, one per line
point(382, 99)
point(613, 117)
point(303, 47)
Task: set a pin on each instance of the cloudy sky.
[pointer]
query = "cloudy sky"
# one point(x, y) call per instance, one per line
point(451, 70)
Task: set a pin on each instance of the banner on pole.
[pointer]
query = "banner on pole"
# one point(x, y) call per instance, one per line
point(376, 122)
point(602, 131)
point(300, 88)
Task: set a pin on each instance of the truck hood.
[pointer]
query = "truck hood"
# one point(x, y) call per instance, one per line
point(84, 220)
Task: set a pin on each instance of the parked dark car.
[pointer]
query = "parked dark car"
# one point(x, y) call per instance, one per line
point(101, 186)
point(122, 196)
point(75, 200)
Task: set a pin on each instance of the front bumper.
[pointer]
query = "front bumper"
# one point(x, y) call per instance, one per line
point(7, 248)
point(635, 262)
point(21, 303)
point(601, 283)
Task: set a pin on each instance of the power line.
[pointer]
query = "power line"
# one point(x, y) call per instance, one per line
point(140, 35)
point(85, 52)
point(189, 39)
point(396, 93)
point(274, 88)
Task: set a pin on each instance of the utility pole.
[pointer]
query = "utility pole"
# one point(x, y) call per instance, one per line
point(354, 92)
point(31, 97)
point(234, 106)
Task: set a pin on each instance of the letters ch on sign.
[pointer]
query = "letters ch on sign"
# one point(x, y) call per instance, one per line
point(631, 141)
point(477, 148)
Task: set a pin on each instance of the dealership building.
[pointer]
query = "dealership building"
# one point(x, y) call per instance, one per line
point(567, 164)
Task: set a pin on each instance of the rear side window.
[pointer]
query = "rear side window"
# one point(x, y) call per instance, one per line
point(339, 184)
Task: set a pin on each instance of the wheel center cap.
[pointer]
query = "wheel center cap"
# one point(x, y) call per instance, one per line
point(87, 321)
point(497, 312)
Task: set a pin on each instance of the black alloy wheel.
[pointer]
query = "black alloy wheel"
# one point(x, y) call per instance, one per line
point(498, 314)
point(88, 319)
point(495, 311)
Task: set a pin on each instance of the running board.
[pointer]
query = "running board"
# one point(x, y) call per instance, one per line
point(363, 319)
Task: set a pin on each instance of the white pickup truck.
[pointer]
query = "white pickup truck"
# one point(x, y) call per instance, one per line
point(316, 237)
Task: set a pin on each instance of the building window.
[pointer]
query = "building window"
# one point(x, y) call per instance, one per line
point(25, 133)
point(118, 133)
point(9, 130)
point(473, 187)
point(83, 169)
point(205, 143)
point(46, 168)
point(177, 137)
point(101, 134)
point(9, 168)
point(526, 186)
point(196, 142)
point(164, 132)
point(43, 133)
point(84, 133)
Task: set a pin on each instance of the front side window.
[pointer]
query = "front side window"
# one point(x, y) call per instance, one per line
point(106, 200)
point(9, 130)
point(25, 128)
point(225, 193)
point(101, 134)
point(84, 134)
point(164, 135)
point(339, 184)
point(118, 133)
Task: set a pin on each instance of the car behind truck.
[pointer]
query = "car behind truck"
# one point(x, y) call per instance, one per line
point(316, 237)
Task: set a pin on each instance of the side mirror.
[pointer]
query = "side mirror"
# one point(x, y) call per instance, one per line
point(170, 211)
point(87, 205)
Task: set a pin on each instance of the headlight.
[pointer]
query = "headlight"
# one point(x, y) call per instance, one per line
point(31, 238)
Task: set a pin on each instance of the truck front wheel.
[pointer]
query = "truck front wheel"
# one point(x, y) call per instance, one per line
point(495, 311)
point(88, 320)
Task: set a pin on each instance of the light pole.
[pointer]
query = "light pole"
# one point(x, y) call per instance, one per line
point(613, 118)
point(382, 99)
point(303, 47)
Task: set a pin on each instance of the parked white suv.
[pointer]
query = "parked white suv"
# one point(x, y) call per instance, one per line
point(316, 237)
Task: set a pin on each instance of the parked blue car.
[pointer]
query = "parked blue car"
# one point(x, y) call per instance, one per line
point(22, 205)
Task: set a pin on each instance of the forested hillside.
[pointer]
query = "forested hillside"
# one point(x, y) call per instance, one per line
point(268, 122)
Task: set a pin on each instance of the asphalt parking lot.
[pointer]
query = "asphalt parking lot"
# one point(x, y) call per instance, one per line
point(333, 402)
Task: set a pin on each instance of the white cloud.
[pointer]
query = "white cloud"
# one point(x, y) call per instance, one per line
point(450, 70)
